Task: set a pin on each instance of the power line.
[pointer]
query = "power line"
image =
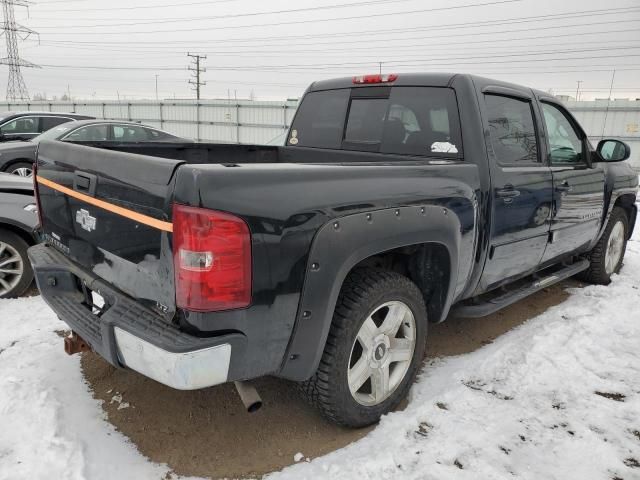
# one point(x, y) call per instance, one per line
point(196, 69)
point(293, 22)
point(239, 15)
point(408, 49)
point(146, 7)
point(381, 34)
point(16, 86)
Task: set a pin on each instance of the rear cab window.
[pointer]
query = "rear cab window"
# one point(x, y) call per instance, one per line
point(413, 121)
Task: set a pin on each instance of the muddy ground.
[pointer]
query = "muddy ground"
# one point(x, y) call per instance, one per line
point(207, 433)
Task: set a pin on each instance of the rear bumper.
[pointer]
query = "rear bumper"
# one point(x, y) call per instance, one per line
point(128, 334)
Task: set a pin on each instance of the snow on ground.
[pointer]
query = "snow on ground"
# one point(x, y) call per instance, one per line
point(557, 398)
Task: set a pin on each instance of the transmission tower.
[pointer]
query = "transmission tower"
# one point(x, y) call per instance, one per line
point(196, 70)
point(16, 88)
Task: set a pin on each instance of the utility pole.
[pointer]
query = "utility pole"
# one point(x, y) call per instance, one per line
point(196, 69)
point(16, 87)
point(578, 90)
point(157, 86)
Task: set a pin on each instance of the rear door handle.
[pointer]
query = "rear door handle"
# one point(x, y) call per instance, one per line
point(563, 187)
point(508, 192)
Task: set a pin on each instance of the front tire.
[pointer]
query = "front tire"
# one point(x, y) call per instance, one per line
point(607, 256)
point(15, 270)
point(374, 349)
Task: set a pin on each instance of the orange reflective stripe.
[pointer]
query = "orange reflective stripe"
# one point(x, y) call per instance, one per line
point(110, 207)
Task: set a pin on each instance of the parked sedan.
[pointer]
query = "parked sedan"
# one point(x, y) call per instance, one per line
point(18, 231)
point(27, 125)
point(18, 157)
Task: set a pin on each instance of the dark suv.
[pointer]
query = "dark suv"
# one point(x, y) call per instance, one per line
point(26, 125)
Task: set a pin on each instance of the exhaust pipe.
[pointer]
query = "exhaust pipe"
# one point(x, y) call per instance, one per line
point(249, 396)
point(74, 343)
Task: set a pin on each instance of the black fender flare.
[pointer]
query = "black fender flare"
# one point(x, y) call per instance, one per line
point(341, 244)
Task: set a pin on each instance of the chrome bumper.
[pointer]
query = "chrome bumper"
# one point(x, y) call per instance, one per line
point(183, 371)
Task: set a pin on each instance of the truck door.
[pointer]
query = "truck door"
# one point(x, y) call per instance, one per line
point(578, 189)
point(521, 187)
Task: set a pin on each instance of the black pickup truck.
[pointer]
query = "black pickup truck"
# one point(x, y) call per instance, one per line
point(397, 200)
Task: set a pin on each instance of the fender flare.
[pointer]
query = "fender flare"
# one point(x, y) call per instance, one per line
point(341, 244)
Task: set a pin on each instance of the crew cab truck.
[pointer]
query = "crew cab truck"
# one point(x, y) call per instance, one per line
point(397, 200)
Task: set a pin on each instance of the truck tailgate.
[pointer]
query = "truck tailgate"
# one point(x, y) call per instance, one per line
point(109, 211)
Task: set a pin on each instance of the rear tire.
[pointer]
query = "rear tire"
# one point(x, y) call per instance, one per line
point(374, 349)
point(607, 256)
point(22, 169)
point(15, 270)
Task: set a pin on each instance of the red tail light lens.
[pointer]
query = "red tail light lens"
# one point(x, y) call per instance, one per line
point(212, 259)
point(386, 78)
point(36, 192)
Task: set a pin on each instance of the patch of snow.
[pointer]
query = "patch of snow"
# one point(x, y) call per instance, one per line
point(51, 427)
point(298, 457)
point(556, 398)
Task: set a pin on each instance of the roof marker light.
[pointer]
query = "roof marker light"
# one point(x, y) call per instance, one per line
point(366, 79)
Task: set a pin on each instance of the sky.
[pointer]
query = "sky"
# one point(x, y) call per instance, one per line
point(272, 50)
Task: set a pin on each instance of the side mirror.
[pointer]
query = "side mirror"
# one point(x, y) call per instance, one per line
point(611, 150)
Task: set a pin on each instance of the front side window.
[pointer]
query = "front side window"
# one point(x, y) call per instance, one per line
point(565, 145)
point(129, 133)
point(90, 133)
point(21, 125)
point(512, 130)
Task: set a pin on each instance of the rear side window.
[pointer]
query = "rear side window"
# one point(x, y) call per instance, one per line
point(320, 120)
point(47, 123)
point(416, 121)
point(512, 130)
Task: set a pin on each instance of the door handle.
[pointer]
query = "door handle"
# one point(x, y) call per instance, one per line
point(563, 187)
point(508, 192)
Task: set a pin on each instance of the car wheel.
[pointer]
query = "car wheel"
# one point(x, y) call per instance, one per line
point(374, 349)
point(23, 169)
point(607, 256)
point(15, 270)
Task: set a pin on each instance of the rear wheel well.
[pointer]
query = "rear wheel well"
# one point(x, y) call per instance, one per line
point(427, 265)
point(628, 203)
point(14, 161)
point(20, 232)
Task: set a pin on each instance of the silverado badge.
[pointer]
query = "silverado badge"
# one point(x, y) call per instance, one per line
point(86, 221)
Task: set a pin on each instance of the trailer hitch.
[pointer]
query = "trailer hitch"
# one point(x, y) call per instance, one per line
point(74, 343)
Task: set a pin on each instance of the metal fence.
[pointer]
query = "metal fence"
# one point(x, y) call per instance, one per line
point(241, 121)
point(245, 121)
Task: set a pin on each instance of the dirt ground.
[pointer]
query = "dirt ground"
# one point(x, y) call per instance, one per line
point(208, 433)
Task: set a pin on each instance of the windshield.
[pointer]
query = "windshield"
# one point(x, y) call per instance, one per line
point(52, 134)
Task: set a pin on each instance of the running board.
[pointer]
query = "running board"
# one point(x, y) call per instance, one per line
point(504, 299)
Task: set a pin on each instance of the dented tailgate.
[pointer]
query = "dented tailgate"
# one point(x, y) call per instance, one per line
point(109, 211)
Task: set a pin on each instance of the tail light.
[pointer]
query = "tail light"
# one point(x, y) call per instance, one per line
point(212, 259)
point(36, 192)
point(365, 79)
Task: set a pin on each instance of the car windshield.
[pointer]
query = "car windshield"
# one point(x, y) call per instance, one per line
point(52, 134)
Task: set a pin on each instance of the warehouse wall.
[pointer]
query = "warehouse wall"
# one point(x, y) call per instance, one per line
point(259, 121)
point(611, 119)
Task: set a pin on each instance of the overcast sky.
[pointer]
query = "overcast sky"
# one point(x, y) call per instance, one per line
point(100, 50)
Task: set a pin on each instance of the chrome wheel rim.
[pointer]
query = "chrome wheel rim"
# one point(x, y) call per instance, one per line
point(11, 268)
point(615, 244)
point(381, 353)
point(23, 172)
